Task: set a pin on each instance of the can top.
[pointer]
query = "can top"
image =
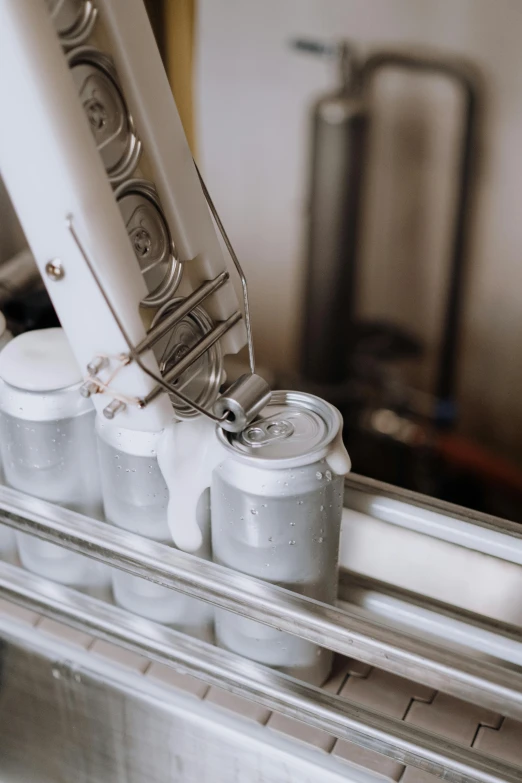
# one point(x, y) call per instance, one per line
point(106, 110)
point(293, 425)
point(39, 361)
point(151, 240)
point(73, 19)
point(201, 380)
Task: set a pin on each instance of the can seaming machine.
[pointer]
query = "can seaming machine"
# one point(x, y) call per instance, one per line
point(190, 587)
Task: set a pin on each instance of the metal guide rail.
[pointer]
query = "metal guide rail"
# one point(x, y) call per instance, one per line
point(491, 683)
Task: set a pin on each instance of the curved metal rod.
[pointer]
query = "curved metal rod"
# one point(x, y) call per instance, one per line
point(239, 269)
point(132, 349)
point(467, 80)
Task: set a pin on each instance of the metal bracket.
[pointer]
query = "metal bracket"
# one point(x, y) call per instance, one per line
point(160, 328)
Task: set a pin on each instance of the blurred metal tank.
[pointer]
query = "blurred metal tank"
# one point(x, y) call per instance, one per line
point(339, 133)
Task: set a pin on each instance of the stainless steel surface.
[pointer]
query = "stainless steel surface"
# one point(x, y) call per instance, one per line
point(409, 611)
point(340, 125)
point(466, 80)
point(68, 716)
point(106, 111)
point(435, 518)
point(151, 239)
point(315, 707)
point(241, 402)
point(489, 684)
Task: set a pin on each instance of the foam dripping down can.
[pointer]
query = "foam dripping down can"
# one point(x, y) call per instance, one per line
point(276, 507)
point(136, 498)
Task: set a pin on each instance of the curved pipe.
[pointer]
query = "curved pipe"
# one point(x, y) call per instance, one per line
point(467, 81)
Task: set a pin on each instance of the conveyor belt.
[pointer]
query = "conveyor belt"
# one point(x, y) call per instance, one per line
point(396, 697)
point(417, 722)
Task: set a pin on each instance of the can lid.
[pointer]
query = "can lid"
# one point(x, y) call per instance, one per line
point(292, 425)
point(109, 119)
point(39, 361)
point(151, 240)
point(73, 19)
point(201, 381)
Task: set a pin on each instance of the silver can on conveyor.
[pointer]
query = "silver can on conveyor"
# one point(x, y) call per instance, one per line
point(136, 498)
point(276, 500)
point(48, 448)
point(8, 551)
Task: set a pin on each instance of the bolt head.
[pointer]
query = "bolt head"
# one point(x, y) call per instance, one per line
point(54, 270)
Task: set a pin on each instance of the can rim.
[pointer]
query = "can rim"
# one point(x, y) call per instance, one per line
point(89, 55)
point(328, 412)
point(206, 324)
point(52, 405)
point(169, 285)
point(81, 28)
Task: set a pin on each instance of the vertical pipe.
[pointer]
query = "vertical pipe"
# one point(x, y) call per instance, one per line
point(340, 124)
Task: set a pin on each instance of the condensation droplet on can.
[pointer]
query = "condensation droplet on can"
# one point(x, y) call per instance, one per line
point(254, 511)
point(319, 475)
point(328, 475)
point(292, 542)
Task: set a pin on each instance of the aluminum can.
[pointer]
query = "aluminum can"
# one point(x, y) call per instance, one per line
point(202, 380)
point(151, 240)
point(276, 501)
point(48, 448)
point(73, 20)
point(135, 498)
point(8, 551)
point(109, 119)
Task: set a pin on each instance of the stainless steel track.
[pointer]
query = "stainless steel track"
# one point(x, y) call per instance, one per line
point(336, 715)
point(459, 673)
point(435, 518)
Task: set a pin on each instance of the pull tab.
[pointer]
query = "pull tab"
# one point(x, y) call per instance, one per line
point(262, 433)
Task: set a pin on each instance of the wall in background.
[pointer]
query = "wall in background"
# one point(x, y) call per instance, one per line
point(253, 96)
point(11, 235)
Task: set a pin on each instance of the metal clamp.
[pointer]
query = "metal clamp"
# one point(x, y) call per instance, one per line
point(242, 401)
